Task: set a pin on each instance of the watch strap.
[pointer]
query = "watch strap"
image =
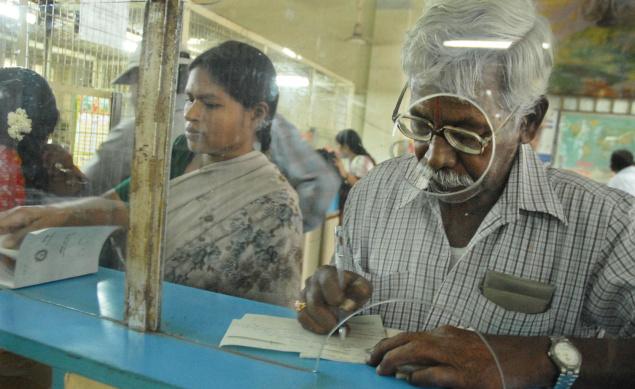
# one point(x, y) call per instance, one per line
point(565, 381)
point(567, 377)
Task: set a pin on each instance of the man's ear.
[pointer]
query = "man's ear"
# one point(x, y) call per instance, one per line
point(531, 125)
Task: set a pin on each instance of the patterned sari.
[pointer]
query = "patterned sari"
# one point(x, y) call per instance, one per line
point(235, 227)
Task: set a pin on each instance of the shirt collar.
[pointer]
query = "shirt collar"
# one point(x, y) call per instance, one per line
point(528, 187)
point(413, 181)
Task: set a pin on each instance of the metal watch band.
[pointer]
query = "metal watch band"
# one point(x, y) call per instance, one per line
point(565, 381)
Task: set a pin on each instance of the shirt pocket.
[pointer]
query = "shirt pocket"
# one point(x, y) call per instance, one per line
point(492, 318)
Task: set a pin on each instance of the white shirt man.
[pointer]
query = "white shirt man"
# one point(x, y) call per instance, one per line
point(624, 180)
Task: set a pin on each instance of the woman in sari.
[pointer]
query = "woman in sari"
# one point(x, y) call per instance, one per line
point(233, 221)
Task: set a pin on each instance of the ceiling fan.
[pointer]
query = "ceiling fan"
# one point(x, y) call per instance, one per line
point(357, 37)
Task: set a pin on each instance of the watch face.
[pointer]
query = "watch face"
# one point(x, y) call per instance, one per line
point(567, 354)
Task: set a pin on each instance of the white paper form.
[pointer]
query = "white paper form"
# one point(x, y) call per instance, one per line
point(54, 254)
point(286, 334)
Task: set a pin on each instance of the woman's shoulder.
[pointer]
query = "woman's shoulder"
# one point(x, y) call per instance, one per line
point(361, 159)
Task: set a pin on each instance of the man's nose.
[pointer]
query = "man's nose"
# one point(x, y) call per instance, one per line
point(440, 154)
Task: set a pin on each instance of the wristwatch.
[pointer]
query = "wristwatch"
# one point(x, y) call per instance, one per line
point(568, 360)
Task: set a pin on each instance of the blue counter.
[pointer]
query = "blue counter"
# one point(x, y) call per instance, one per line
point(75, 326)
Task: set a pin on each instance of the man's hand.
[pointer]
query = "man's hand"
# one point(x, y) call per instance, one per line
point(329, 292)
point(19, 221)
point(451, 357)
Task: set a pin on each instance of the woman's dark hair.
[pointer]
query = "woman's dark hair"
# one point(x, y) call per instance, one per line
point(247, 75)
point(24, 88)
point(621, 159)
point(350, 138)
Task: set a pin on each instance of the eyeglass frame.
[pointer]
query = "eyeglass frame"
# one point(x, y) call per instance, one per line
point(484, 142)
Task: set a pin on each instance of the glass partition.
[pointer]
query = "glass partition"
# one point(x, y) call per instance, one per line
point(60, 64)
point(280, 109)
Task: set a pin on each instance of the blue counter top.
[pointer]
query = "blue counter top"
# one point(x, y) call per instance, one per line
point(75, 325)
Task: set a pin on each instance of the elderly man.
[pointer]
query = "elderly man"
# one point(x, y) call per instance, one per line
point(475, 232)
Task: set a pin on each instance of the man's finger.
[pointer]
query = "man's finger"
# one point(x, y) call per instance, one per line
point(309, 324)
point(344, 289)
point(385, 345)
point(411, 353)
point(321, 314)
point(359, 290)
point(439, 376)
point(332, 284)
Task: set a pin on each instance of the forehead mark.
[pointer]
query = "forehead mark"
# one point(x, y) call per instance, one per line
point(437, 112)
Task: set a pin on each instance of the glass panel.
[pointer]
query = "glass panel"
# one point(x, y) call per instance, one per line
point(60, 62)
point(283, 110)
point(587, 141)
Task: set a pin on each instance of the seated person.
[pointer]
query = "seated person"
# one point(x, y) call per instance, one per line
point(28, 115)
point(233, 221)
point(561, 246)
point(113, 158)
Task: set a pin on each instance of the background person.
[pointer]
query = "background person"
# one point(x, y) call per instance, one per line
point(622, 166)
point(28, 115)
point(311, 177)
point(349, 146)
point(233, 221)
point(113, 158)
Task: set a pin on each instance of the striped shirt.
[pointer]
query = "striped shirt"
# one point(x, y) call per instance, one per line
point(549, 226)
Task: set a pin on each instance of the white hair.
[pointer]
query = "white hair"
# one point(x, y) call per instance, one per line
point(522, 71)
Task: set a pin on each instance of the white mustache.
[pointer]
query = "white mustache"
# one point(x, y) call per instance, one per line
point(444, 179)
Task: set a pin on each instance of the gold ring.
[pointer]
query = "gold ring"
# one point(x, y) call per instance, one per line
point(299, 305)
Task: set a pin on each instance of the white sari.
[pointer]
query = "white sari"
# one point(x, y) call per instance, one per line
point(235, 227)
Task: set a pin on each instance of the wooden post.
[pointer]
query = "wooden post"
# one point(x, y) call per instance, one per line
point(150, 163)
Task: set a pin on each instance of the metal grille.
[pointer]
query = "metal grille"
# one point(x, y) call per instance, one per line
point(316, 100)
point(51, 39)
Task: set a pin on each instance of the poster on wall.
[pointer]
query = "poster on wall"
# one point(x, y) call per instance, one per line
point(586, 142)
point(595, 54)
point(544, 142)
point(93, 126)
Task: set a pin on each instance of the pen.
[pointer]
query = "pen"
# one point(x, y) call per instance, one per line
point(341, 331)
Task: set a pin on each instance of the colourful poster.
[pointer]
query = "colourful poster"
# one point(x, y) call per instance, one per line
point(586, 142)
point(595, 55)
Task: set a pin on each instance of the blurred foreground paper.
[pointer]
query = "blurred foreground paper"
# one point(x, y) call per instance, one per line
point(286, 334)
point(53, 254)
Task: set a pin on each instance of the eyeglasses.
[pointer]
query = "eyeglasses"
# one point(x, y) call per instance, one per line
point(422, 130)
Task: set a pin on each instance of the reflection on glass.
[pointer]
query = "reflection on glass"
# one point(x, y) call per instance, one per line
point(58, 61)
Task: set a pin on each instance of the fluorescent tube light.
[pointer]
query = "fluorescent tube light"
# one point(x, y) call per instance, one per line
point(291, 81)
point(479, 44)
